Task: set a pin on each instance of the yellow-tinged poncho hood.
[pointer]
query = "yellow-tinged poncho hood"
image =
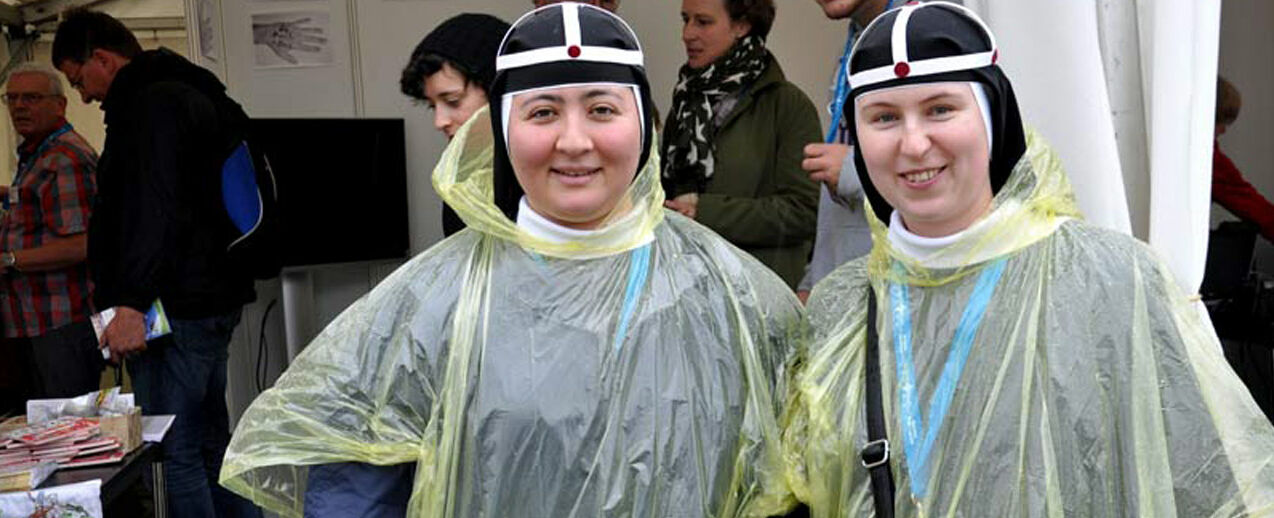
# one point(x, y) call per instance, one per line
point(1034, 202)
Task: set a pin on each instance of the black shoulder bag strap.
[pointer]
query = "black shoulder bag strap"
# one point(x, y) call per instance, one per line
point(875, 455)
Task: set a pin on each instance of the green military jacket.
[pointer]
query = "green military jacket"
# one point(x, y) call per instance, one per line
point(759, 198)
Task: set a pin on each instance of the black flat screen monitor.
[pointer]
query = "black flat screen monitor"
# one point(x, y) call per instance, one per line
point(342, 187)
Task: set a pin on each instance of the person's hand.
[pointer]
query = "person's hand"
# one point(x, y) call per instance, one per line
point(284, 37)
point(823, 162)
point(804, 296)
point(687, 204)
point(126, 334)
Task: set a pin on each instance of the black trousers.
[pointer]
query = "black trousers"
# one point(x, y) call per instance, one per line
point(64, 362)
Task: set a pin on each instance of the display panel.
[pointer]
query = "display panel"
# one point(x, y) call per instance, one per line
point(342, 187)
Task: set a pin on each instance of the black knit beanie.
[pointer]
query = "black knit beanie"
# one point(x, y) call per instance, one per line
point(469, 41)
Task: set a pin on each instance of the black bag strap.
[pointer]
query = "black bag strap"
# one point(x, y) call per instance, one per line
point(875, 455)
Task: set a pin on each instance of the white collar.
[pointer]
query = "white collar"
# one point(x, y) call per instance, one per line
point(950, 251)
point(625, 229)
point(915, 246)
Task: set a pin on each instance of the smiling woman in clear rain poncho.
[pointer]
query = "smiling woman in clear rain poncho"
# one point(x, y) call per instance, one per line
point(574, 352)
point(1028, 364)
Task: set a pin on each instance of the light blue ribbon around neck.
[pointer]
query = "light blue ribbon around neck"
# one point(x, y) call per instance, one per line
point(918, 439)
point(638, 268)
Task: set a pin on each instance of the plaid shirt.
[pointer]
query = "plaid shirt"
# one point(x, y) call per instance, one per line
point(51, 197)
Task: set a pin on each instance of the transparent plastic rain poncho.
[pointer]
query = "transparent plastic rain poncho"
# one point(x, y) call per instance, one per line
point(637, 377)
point(1091, 386)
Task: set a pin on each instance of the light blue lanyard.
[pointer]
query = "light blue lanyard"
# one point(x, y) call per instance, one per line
point(638, 270)
point(638, 267)
point(917, 445)
point(841, 89)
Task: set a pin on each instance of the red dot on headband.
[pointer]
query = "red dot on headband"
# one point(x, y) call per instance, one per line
point(995, 56)
point(573, 51)
point(902, 69)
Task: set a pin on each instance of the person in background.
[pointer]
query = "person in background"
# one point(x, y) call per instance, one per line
point(160, 232)
point(45, 302)
point(450, 70)
point(1229, 188)
point(842, 226)
point(734, 139)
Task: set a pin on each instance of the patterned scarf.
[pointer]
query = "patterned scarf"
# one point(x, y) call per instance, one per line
point(687, 154)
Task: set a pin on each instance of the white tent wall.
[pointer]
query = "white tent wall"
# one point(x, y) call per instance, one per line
point(1124, 91)
point(1179, 64)
point(1051, 51)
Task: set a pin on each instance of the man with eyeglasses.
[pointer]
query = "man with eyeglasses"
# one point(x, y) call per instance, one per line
point(50, 348)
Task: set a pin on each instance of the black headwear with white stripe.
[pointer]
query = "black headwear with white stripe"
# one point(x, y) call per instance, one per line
point(562, 44)
point(935, 42)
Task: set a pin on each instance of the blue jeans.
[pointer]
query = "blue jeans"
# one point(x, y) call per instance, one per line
point(185, 374)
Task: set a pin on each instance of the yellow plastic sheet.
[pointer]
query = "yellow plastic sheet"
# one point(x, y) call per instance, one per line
point(602, 377)
point(1092, 387)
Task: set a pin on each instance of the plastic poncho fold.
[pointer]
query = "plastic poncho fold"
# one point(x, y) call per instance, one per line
point(1090, 386)
point(640, 376)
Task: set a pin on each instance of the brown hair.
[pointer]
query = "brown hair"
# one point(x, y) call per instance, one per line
point(82, 31)
point(1228, 101)
point(758, 13)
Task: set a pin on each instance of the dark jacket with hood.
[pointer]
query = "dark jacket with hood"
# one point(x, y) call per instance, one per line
point(159, 229)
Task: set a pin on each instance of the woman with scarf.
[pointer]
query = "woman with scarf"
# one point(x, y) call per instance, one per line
point(576, 351)
point(994, 355)
point(735, 137)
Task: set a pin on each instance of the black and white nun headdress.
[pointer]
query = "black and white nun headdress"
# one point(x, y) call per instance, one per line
point(935, 42)
point(559, 45)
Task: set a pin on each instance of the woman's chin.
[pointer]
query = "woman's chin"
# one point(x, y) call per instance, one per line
point(582, 216)
point(580, 221)
point(923, 218)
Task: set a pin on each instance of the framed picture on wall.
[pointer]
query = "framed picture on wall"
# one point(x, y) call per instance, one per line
point(291, 39)
point(206, 30)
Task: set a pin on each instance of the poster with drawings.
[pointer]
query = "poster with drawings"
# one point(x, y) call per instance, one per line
point(206, 12)
point(291, 39)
